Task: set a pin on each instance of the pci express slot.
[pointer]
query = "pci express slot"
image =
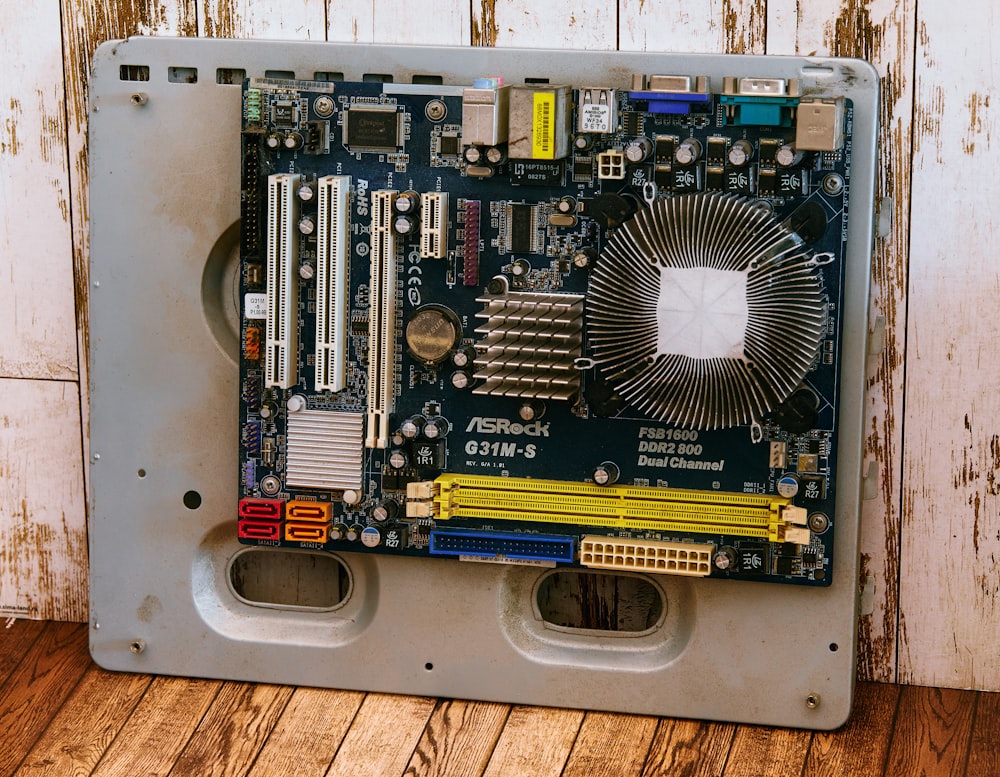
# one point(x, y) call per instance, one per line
point(381, 321)
point(494, 499)
point(332, 255)
point(281, 344)
point(433, 225)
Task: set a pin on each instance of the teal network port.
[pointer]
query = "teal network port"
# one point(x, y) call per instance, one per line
point(503, 545)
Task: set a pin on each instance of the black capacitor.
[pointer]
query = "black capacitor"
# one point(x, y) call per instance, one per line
point(688, 152)
point(606, 473)
point(398, 459)
point(411, 427)
point(435, 428)
point(386, 510)
point(354, 532)
point(740, 153)
point(294, 141)
point(338, 531)
point(407, 202)
point(404, 225)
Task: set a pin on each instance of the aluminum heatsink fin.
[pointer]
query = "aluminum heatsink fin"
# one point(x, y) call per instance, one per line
point(704, 311)
point(325, 449)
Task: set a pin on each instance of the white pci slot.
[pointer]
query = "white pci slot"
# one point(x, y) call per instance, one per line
point(434, 225)
point(332, 258)
point(381, 321)
point(281, 345)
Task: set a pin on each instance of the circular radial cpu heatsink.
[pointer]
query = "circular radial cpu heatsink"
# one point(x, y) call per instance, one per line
point(705, 312)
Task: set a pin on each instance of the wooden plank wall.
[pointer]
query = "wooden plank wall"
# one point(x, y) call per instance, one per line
point(930, 537)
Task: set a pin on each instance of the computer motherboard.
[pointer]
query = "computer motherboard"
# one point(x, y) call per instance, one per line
point(590, 325)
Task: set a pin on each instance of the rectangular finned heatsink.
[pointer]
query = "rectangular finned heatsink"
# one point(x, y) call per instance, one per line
point(325, 449)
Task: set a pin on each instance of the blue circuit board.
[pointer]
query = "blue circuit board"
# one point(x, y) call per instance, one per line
point(577, 325)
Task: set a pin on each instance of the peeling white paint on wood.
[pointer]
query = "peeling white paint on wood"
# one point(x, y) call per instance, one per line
point(37, 319)
point(671, 26)
point(576, 24)
point(433, 22)
point(296, 20)
point(950, 554)
point(881, 32)
point(43, 536)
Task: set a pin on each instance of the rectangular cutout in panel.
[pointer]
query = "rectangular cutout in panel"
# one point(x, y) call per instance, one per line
point(182, 75)
point(133, 72)
point(230, 75)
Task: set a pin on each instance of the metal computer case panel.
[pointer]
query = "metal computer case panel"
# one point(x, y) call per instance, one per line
point(164, 241)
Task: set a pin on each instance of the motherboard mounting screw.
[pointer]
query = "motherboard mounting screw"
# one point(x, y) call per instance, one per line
point(137, 646)
point(435, 110)
point(324, 106)
point(833, 184)
point(812, 701)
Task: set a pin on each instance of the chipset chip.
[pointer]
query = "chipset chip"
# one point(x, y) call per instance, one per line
point(448, 145)
point(373, 129)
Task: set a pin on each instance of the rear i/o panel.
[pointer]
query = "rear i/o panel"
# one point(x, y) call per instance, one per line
point(590, 325)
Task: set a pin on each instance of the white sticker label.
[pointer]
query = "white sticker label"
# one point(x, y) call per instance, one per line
point(255, 306)
point(596, 118)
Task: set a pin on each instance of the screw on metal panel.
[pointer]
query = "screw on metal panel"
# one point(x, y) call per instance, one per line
point(812, 701)
point(833, 184)
point(138, 98)
point(137, 646)
point(435, 110)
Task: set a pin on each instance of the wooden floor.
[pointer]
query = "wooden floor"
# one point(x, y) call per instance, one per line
point(61, 715)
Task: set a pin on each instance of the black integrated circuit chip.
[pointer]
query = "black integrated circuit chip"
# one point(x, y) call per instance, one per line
point(521, 228)
point(372, 129)
point(448, 145)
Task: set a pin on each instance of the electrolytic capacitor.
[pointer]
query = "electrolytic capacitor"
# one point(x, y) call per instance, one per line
point(398, 459)
point(385, 510)
point(788, 156)
point(606, 473)
point(306, 192)
point(638, 150)
point(338, 531)
point(435, 428)
point(404, 225)
point(740, 153)
point(688, 152)
point(407, 202)
point(411, 427)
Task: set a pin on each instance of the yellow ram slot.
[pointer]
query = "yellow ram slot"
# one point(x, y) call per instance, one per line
point(625, 507)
